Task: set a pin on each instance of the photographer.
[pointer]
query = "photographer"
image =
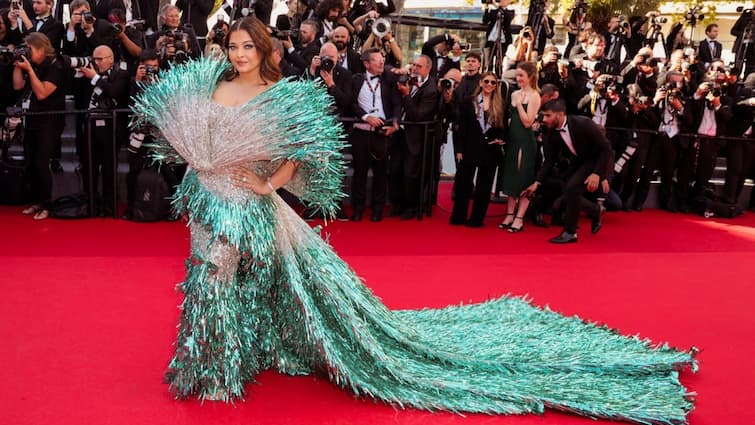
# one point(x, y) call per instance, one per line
point(710, 109)
point(174, 43)
point(329, 14)
point(642, 70)
point(216, 39)
point(744, 31)
point(128, 40)
point(674, 153)
point(619, 30)
point(140, 138)
point(709, 48)
point(575, 21)
point(388, 45)
point(110, 91)
point(144, 11)
point(498, 34)
point(194, 14)
point(41, 74)
point(740, 159)
point(8, 96)
point(542, 25)
point(43, 22)
point(262, 9)
point(419, 98)
point(308, 46)
point(336, 78)
point(437, 49)
point(292, 18)
point(635, 166)
point(551, 70)
point(522, 50)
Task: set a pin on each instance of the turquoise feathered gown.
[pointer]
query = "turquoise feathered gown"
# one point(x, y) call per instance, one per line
point(263, 290)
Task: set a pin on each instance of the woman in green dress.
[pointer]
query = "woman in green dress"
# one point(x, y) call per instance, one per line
point(521, 146)
point(264, 291)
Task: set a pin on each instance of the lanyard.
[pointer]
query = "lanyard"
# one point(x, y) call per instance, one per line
point(373, 90)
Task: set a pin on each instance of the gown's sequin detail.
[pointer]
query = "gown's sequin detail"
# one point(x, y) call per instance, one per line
point(263, 290)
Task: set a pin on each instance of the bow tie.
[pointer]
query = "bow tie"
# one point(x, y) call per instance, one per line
point(41, 19)
point(375, 77)
point(562, 130)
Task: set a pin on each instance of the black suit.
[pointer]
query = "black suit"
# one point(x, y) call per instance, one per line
point(408, 151)
point(479, 156)
point(140, 9)
point(708, 146)
point(114, 91)
point(705, 54)
point(428, 49)
point(370, 148)
point(195, 12)
point(353, 62)
point(593, 155)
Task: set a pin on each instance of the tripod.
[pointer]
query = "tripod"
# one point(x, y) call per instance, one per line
point(742, 58)
point(655, 36)
point(497, 52)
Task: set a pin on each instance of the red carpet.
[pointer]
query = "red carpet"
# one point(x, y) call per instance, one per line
point(88, 310)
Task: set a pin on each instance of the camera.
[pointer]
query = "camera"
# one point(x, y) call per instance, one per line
point(15, 4)
point(447, 84)
point(660, 20)
point(88, 17)
point(77, 61)
point(284, 34)
point(327, 63)
point(411, 80)
point(693, 15)
point(100, 101)
point(218, 36)
point(151, 70)
point(179, 40)
point(8, 55)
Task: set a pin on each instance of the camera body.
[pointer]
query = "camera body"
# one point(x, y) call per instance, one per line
point(284, 34)
point(88, 17)
point(410, 80)
point(8, 55)
point(15, 4)
point(327, 63)
point(447, 84)
point(151, 70)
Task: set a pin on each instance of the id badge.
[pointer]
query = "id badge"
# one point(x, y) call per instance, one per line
point(99, 123)
point(123, 66)
point(25, 104)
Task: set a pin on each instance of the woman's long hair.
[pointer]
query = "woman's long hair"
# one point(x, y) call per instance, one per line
point(531, 70)
point(495, 111)
point(269, 69)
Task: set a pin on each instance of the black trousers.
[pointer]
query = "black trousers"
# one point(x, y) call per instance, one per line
point(370, 151)
point(573, 200)
point(102, 163)
point(407, 152)
point(632, 172)
point(706, 163)
point(740, 164)
point(678, 156)
point(466, 189)
point(41, 137)
point(652, 163)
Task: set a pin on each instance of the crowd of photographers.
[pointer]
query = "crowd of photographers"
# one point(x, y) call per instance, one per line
point(675, 114)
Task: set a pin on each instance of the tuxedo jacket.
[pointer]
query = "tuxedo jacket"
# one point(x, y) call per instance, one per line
point(591, 146)
point(705, 55)
point(695, 108)
point(354, 61)
point(388, 92)
point(83, 45)
point(52, 28)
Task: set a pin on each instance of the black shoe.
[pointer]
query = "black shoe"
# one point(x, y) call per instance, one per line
point(473, 223)
point(514, 229)
point(356, 216)
point(409, 214)
point(377, 215)
point(539, 220)
point(597, 222)
point(55, 166)
point(341, 216)
point(503, 225)
point(564, 237)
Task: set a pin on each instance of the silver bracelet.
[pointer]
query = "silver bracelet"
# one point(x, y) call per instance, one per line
point(270, 185)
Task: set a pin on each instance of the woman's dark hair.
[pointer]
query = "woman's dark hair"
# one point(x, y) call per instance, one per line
point(6, 21)
point(269, 70)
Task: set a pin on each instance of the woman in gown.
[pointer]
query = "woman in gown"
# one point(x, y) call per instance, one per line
point(521, 146)
point(264, 291)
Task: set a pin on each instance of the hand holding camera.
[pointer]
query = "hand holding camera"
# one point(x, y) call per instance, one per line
point(23, 64)
point(87, 71)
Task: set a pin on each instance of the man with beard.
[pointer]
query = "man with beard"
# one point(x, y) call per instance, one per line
point(347, 57)
point(309, 45)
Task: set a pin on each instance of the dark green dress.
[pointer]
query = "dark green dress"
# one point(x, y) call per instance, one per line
point(518, 175)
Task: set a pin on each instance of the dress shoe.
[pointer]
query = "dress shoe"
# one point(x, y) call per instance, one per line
point(565, 237)
point(356, 216)
point(377, 215)
point(409, 214)
point(473, 223)
point(597, 221)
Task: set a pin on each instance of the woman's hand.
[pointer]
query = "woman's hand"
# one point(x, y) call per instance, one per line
point(246, 179)
point(516, 98)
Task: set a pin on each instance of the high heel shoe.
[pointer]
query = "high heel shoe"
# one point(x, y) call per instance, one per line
point(513, 229)
point(503, 224)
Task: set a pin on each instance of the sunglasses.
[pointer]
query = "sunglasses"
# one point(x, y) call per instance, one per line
point(489, 82)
